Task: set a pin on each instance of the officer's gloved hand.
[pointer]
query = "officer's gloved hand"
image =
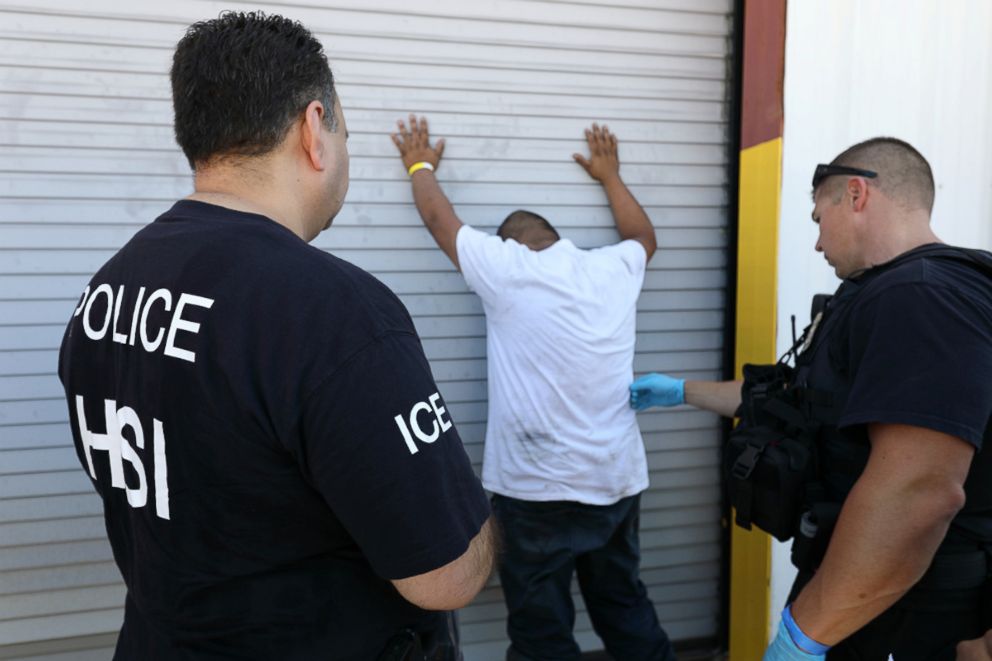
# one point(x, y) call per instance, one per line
point(656, 390)
point(784, 648)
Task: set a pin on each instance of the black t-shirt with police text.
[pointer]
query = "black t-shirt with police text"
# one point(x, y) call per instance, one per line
point(268, 440)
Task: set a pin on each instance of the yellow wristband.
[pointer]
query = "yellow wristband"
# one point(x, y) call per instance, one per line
point(422, 165)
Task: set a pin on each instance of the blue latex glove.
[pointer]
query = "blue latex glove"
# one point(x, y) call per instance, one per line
point(783, 649)
point(656, 390)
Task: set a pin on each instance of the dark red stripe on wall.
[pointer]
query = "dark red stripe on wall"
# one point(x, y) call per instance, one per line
point(763, 72)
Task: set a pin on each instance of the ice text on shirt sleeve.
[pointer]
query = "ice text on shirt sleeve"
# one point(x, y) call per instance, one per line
point(438, 424)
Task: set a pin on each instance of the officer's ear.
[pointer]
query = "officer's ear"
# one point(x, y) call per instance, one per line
point(858, 191)
point(311, 138)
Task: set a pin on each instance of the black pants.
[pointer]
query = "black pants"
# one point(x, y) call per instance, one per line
point(545, 543)
point(925, 625)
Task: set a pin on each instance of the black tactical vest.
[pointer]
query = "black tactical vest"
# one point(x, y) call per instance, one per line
point(789, 466)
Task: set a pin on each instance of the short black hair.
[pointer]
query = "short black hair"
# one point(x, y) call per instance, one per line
point(239, 81)
point(904, 175)
point(521, 222)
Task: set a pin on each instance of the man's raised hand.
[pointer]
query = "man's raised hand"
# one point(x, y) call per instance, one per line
point(603, 163)
point(414, 143)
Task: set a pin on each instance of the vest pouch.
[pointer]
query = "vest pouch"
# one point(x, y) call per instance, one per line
point(767, 471)
point(762, 383)
point(816, 525)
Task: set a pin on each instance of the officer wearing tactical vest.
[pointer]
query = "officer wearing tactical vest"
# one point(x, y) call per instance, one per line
point(885, 418)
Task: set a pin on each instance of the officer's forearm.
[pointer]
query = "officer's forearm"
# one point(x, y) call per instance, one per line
point(871, 564)
point(889, 529)
point(722, 397)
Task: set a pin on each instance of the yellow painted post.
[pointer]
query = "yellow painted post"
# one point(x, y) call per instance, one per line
point(757, 262)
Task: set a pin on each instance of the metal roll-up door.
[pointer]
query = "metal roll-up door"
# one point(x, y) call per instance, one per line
point(88, 157)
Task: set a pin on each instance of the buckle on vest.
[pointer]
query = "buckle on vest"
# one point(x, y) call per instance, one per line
point(748, 459)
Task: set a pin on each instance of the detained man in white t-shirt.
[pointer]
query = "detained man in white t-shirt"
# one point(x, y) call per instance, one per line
point(564, 457)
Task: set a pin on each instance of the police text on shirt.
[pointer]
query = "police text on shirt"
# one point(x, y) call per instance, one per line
point(97, 329)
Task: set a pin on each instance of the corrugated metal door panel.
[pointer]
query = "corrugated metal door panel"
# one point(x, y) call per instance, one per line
point(28, 629)
point(377, 260)
point(88, 158)
point(29, 652)
point(46, 210)
point(21, 581)
point(51, 555)
point(85, 237)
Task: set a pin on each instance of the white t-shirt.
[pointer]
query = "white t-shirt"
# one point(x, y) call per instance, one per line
point(560, 340)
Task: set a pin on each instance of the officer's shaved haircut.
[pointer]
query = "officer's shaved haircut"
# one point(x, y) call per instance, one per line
point(904, 175)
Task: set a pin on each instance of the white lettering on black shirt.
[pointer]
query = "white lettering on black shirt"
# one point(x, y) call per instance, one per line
point(97, 327)
point(118, 450)
point(438, 425)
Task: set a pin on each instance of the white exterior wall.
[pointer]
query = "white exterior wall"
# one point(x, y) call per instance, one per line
point(919, 70)
point(87, 157)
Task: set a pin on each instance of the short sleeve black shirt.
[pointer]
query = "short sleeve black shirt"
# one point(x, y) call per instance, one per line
point(268, 440)
point(912, 344)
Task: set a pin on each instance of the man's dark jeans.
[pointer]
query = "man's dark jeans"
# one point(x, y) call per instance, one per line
point(545, 543)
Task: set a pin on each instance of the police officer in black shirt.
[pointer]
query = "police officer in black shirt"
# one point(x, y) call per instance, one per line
point(893, 384)
point(280, 475)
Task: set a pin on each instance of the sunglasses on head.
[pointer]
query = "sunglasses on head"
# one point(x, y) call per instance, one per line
point(823, 171)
